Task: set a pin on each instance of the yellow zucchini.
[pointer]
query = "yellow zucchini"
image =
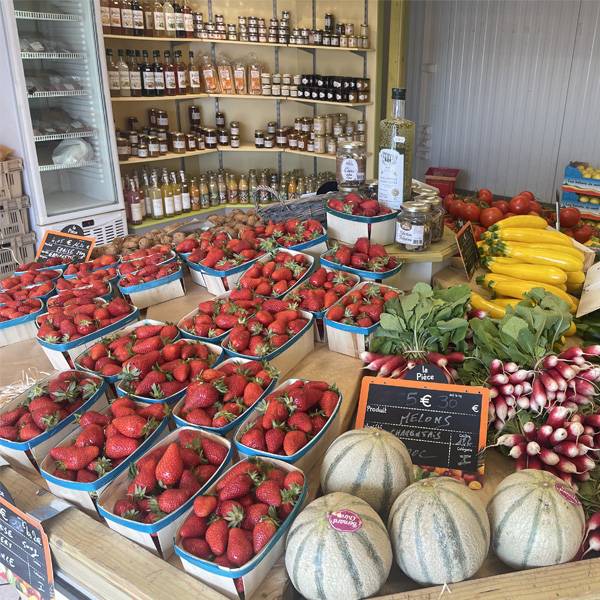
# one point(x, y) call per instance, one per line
point(481, 303)
point(544, 274)
point(578, 254)
point(572, 330)
point(576, 277)
point(504, 302)
point(521, 221)
point(551, 258)
point(534, 235)
point(574, 288)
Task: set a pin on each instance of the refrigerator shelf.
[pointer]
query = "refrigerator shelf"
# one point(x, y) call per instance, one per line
point(53, 55)
point(31, 15)
point(79, 165)
point(63, 136)
point(57, 94)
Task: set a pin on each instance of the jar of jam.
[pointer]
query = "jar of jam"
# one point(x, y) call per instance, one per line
point(271, 127)
point(194, 112)
point(414, 227)
point(310, 145)
point(234, 141)
point(285, 90)
point(210, 138)
point(223, 137)
point(351, 164)
point(190, 142)
point(142, 150)
point(133, 137)
point(298, 123)
point(338, 129)
point(269, 141)
point(220, 119)
point(306, 124)
point(123, 148)
point(151, 117)
point(302, 141)
point(200, 145)
point(162, 119)
point(266, 90)
point(319, 144)
point(259, 138)
point(163, 147)
point(319, 125)
point(178, 142)
point(331, 146)
point(153, 146)
point(234, 128)
point(293, 91)
point(276, 89)
point(293, 140)
point(281, 138)
point(343, 41)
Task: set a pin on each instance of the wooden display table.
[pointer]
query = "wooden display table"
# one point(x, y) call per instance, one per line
point(114, 568)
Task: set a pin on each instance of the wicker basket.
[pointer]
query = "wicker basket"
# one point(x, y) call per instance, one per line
point(16, 250)
point(10, 178)
point(308, 207)
point(14, 216)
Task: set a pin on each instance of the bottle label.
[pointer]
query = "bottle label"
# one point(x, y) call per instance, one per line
point(135, 80)
point(127, 18)
point(136, 213)
point(205, 200)
point(159, 21)
point(153, 148)
point(177, 203)
point(185, 201)
point(179, 22)
point(157, 208)
point(114, 81)
point(105, 16)
point(149, 20)
point(181, 80)
point(124, 81)
point(195, 80)
point(411, 235)
point(169, 206)
point(391, 178)
point(232, 196)
point(115, 17)
point(350, 171)
point(159, 80)
point(138, 19)
point(170, 21)
point(170, 80)
point(188, 20)
point(148, 80)
point(243, 195)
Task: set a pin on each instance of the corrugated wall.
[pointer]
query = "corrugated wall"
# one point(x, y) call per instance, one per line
point(508, 91)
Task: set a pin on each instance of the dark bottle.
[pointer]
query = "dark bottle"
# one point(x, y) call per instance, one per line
point(126, 17)
point(137, 11)
point(147, 71)
point(170, 79)
point(135, 77)
point(159, 75)
point(188, 19)
point(179, 20)
point(180, 74)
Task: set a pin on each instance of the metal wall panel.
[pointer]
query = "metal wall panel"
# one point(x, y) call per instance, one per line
point(492, 82)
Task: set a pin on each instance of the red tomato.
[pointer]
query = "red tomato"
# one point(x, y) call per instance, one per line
point(456, 208)
point(509, 214)
point(519, 205)
point(527, 195)
point(485, 195)
point(568, 232)
point(489, 216)
point(478, 231)
point(471, 212)
point(569, 217)
point(501, 204)
point(535, 206)
point(448, 200)
point(584, 233)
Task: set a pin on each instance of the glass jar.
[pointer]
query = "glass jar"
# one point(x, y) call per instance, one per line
point(414, 227)
point(269, 141)
point(223, 137)
point(271, 127)
point(351, 164)
point(178, 142)
point(190, 142)
point(162, 119)
point(210, 138)
point(319, 144)
point(234, 128)
point(437, 217)
point(235, 141)
point(123, 148)
point(134, 138)
point(220, 119)
point(286, 79)
point(259, 138)
point(293, 141)
point(319, 125)
point(200, 143)
point(281, 137)
point(331, 145)
point(194, 112)
point(143, 150)
point(153, 146)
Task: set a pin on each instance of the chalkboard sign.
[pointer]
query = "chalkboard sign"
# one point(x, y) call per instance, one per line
point(65, 245)
point(467, 247)
point(443, 426)
point(25, 553)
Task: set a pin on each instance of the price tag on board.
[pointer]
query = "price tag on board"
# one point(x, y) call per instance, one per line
point(467, 247)
point(443, 426)
point(65, 245)
point(24, 553)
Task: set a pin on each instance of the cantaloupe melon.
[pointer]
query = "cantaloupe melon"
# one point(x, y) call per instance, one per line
point(338, 549)
point(439, 530)
point(370, 463)
point(536, 520)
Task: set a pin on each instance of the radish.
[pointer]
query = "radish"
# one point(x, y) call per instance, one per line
point(507, 389)
point(591, 350)
point(585, 476)
point(496, 367)
point(529, 430)
point(557, 436)
point(593, 523)
point(550, 361)
point(568, 449)
point(519, 376)
point(582, 386)
point(538, 394)
point(592, 420)
point(544, 433)
point(527, 387)
point(518, 389)
point(517, 451)
point(499, 379)
point(557, 416)
point(559, 379)
point(574, 429)
point(501, 408)
point(397, 373)
point(561, 397)
point(583, 463)
point(510, 439)
point(455, 357)
point(566, 466)
point(548, 382)
point(572, 352)
point(549, 457)
point(566, 371)
point(533, 448)
point(523, 402)
point(592, 374)
point(511, 367)
point(493, 392)
point(593, 543)
point(437, 359)
point(392, 363)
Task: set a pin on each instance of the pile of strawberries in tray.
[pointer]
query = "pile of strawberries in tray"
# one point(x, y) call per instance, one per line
point(293, 231)
point(108, 356)
point(249, 503)
point(219, 396)
point(167, 477)
point(354, 204)
point(363, 306)
point(43, 264)
point(363, 255)
point(144, 258)
point(28, 278)
point(215, 317)
point(95, 289)
point(84, 316)
point(322, 289)
point(83, 268)
point(102, 275)
point(15, 309)
point(23, 292)
point(203, 241)
point(270, 328)
point(290, 417)
point(233, 253)
point(149, 273)
point(106, 439)
point(276, 275)
point(157, 371)
point(47, 404)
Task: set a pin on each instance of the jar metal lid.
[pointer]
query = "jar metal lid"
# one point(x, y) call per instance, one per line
point(416, 207)
point(353, 146)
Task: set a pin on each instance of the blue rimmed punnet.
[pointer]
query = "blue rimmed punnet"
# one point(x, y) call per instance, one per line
point(148, 285)
point(326, 260)
point(25, 318)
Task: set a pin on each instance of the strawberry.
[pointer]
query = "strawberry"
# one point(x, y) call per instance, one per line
point(247, 466)
point(124, 507)
point(85, 476)
point(239, 338)
point(133, 426)
point(362, 245)
point(75, 458)
point(293, 441)
point(293, 478)
point(239, 548)
point(170, 500)
point(9, 432)
point(300, 420)
point(236, 487)
point(198, 416)
point(274, 439)
point(145, 386)
point(254, 438)
point(197, 546)
point(170, 466)
point(205, 472)
point(269, 492)
point(276, 411)
point(217, 536)
point(342, 255)
point(204, 506)
point(193, 526)
point(201, 395)
point(166, 389)
point(189, 482)
point(252, 392)
point(328, 402)
point(214, 452)
point(118, 307)
point(318, 420)
point(147, 345)
point(91, 435)
point(119, 446)
point(254, 513)
point(262, 533)
point(12, 416)
point(155, 411)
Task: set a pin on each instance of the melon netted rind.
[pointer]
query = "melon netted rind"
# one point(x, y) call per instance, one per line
point(533, 523)
point(326, 564)
point(370, 463)
point(439, 531)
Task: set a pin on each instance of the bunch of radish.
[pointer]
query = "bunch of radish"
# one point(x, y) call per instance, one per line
point(591, 542)
point(565, 379)
point(396, 366)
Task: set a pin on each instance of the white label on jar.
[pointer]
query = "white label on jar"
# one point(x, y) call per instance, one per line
point(105, 16)
point(163, 147)
point(169, 21)
point(281, 140)
point(159, 21)
point(135, 80)
point(399, 139)
point(138, 19)
point(179, 22)
point(211, 139)
point(195, 79)
point(115, 17)
point(411, 235)
point(349, 170)
point(114, 81)
point(177, 203)
point(143, 152)
point(127, 18)
point(391, 178)
point(188, 20)
point(124, 81)
point(148, 80)
point(182, 80)
point(235, 143)
point(153, 147)
point(179, 144)
point(170, 80)
point(159, 81)
point(136, 212)
point(157, 207)
point(169, 206)
point(149, 19)
point(185, 201)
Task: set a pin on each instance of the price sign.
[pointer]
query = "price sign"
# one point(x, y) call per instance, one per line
point(25, 553)
point(65, 245)
point(443, 426)
point(467, 247)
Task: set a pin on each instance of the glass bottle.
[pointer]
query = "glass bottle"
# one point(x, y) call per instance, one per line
point(263, 194)
point(147, 194)
point(213, 190)
point(124, 82)
point(147, 71)
point(159, 19)
point(126, 17)
point(159, 76)
point(138, 17)
point(194, 194)
point(135, 79)
point(148, 18)
point(193, 80)
point(243, 195)
point(105, 15)
point(169, 19)
point(292, 188)
point(396, 143)
point(135, 205)
point(283, 188)
point(180, 74)
point(116, 27)
point(232, 190)
point(186, 203)
point(114, 82)
point(204, 192)
point(176, 189)
point(169, 71)
point(167, 195)
point(179, 20)
point(253, 188)
point(188, 19)
point(156, 199)
point(222, 187)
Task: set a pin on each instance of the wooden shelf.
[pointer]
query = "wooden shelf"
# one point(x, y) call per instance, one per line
point(156, 98)
point(308, 47)
point(310, 154)
point(134, 160)
point(249, 148)
point(331, 103)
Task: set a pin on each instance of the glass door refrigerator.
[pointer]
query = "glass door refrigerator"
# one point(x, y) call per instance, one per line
point(55, 69)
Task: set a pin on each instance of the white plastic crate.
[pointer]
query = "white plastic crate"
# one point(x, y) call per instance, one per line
point(11, 185)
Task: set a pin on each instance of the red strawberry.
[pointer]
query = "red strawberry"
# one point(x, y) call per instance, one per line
point(170, 500)
point(239, 338)
point(197, 546)
point(85, 476)
point(262, 533)
point(189, 482)
point(91, 435)
point(293, 441)
point(123, 507)
point(190, 458)
point(254, 438)
point(328, 402)
point(198, 416)
point(239, 548)
point(9, 432)
point(252, 392)
point(319, 420)
point(246, 466)
point(362, 245)
point(132, 426)
point(144, 387)
point(147, 345)
point(277, 412)
point(269, 492)
point(300, 420)
point(274, 439)
point(236, 488)
point(216, 536)
point(293, 478)
point(170, 467)
point(193, 526)
point(254, 513)
point(200, 395)
point(214, 452)
point(12, 416)
point(205, 505)
point(119, 446)
point(75, 458)
point(205, 472)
